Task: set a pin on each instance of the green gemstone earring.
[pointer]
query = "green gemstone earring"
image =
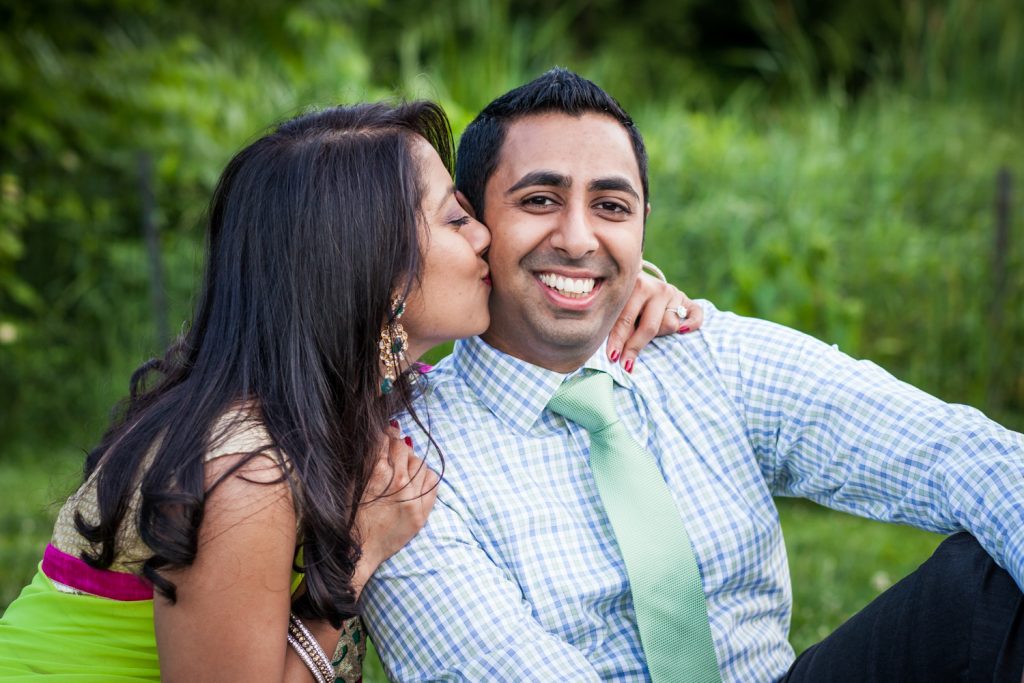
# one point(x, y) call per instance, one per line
point(394, 342)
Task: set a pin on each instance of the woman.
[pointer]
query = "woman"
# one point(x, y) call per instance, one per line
point(251, 483)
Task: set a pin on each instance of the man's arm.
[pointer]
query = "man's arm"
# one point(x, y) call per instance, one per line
point(846, 434)
point(442, 610)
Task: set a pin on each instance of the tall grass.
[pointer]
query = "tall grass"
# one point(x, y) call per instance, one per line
point(948, 51)
point(864, 218)
point(849, 193)
point(870, 225)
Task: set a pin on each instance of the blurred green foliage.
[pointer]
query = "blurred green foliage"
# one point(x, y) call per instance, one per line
point(827, 165)
point(870, 225)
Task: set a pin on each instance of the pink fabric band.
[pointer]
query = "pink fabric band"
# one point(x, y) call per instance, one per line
point(75, 573)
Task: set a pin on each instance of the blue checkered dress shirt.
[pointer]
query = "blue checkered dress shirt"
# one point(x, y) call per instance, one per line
point(517, 576)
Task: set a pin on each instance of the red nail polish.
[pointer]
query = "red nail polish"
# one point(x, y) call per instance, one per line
point(684, 329)
point(394, 423)
point(629, 366)
point(615, 356)
point(408, 441)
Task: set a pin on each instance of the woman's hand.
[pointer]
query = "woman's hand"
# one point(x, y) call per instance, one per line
point(649, 313)
point(395, 505)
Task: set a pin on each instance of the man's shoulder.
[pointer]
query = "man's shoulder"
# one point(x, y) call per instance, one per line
point(720, 329)
point(447, 405)
point(725, 341)
point(445, 386)
point(727, 325)
point(725, 328)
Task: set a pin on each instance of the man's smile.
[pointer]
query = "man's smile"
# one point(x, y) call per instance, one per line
point(568, 286)
point(567, 292)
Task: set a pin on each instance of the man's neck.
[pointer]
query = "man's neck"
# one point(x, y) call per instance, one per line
point(572, 359)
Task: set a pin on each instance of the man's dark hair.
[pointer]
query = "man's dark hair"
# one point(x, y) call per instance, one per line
point(556, 91)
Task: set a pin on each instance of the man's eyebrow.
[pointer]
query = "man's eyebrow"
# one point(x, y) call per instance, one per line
point(612, 183)
point(444, 198)
point(547, 178)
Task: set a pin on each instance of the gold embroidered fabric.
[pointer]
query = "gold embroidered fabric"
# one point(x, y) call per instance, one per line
point(348, 656)
point(235, 432)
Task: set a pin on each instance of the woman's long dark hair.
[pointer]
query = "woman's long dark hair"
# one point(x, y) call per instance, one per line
point(312, 228)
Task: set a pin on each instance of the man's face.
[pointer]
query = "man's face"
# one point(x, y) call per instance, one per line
point(566, 214)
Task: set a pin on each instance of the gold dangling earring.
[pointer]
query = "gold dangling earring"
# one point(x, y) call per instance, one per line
point(394, 341)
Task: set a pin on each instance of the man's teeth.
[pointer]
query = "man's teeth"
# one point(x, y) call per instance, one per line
point(567, 285)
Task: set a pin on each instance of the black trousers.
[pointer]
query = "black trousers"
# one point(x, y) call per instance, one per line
point(958, 617)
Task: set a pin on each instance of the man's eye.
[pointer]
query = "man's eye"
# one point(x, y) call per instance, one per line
point(539, 201)
point(614, 207)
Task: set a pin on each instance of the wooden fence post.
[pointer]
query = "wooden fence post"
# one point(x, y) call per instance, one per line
point(156, 273)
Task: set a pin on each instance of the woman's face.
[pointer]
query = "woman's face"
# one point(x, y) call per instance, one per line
point(450, 301)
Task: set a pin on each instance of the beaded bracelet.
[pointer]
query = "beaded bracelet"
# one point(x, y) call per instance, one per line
point(309, 651)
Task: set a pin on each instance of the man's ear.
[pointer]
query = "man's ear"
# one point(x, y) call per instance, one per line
point(647, 211)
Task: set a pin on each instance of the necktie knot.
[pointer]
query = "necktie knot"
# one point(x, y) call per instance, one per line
point(588, 401)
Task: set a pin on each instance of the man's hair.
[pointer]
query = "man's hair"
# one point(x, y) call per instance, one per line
point(556, 91)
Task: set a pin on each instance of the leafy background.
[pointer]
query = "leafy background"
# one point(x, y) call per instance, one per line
point(831, 166)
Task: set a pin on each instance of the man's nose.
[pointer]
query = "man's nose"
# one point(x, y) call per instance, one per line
point(574, 234)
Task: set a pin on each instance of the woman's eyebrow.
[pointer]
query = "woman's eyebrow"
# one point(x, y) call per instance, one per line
point(444, 198)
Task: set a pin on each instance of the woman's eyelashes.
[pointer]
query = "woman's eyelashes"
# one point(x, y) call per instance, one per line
point(458, 223)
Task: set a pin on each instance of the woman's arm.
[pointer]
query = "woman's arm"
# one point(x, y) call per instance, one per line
point(231, 616)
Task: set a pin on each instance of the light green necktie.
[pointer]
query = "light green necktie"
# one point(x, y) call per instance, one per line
point(668, 595)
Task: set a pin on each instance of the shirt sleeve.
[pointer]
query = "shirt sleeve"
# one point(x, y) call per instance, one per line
point(441, 610)
point(847, 434)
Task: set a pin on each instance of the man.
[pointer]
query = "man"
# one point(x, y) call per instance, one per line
point(529, 569)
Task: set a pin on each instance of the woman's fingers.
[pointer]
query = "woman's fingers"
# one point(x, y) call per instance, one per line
point(694, 315)
point(652, 323)
point(422, 486)
point(391, 471)
point(654, 309)
point(400, 474)
point(398, 499)
point(625, 325)
point(399, 457)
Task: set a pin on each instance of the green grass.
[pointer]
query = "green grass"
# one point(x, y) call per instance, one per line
point(31, 490)
point(838, 562)
point(867, 224)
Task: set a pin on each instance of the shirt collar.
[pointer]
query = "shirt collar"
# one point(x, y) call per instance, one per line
point(516, 391)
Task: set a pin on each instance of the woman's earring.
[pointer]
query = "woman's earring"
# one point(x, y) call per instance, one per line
point(394, 341)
